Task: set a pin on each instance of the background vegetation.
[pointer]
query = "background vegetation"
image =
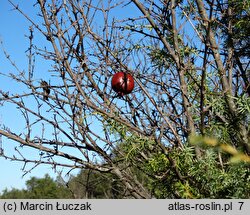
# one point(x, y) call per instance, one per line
point(184, 130)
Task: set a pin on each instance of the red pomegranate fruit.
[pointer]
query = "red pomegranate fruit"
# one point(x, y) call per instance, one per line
point(122, 83)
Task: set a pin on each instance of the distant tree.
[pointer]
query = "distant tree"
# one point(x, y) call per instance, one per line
point(13, 194)
point(39, 188)
point(93, 184)
point(175, 135)
point(45, 188)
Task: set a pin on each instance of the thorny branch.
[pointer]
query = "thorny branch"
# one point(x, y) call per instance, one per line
point(71, 113)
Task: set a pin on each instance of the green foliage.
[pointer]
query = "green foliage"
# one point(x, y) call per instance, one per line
point(160, 57)
point(241, 26)
point(131, 144)
point(206, 177)
point(212, 175)
point(13, 194)
point(222, 125)
point(243, 103)
point(157, 164)
point(38, 188)
point(86, 184)
point(202, 178)
point(222, 170)
point(92, 184)
point(228, 149)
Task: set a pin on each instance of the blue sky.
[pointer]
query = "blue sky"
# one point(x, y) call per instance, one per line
point(14, 27)
point(13, 34)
